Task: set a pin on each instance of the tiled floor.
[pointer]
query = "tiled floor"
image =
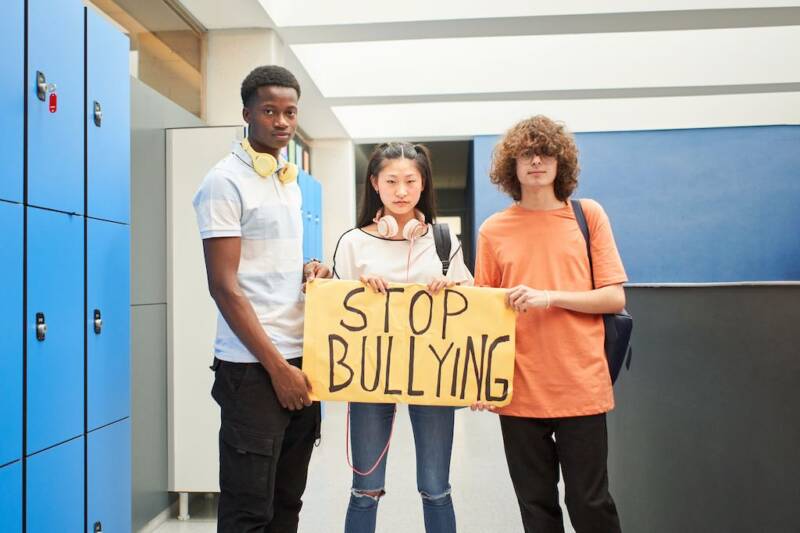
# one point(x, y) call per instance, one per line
point(482, 492)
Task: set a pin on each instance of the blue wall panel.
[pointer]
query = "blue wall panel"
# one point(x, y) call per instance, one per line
point(55, 489)
point(12, 102)
point(11, 498)
point(487, 198)
point(689, 206)
point(55, 364)
point(108, 145)
point(55, 140)
point(108, 352)
point(108, 477)
point(11, 223)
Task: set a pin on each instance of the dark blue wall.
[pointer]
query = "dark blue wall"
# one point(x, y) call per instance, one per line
point(687, 206)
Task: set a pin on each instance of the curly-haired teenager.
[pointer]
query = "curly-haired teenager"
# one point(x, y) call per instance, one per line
point(562, 388)
point(248, 211)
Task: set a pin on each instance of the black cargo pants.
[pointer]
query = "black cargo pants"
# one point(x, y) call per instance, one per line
point(264, 451)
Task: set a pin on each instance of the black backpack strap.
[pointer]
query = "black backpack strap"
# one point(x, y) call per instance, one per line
point(441, 236)
point(581, 219)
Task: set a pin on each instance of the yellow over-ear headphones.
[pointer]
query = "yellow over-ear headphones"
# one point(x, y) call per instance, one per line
point(265, 165)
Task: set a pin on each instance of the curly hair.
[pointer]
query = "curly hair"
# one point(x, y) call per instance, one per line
point(545, 137)
point(267, 75)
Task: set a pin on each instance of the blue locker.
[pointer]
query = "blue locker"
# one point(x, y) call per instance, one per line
point(55, 351)
point(317, 219)
point(54, 489)
point(107, 322)
point(108, 121)
point(55, 139)
point(12, 101)
point(10, 332)
point(302, 182)
point(311, 192)
point(11, 498)
point(108, 478)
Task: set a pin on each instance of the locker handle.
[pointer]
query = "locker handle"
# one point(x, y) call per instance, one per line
point(98, 114)
point(41, 327)
point(42, 87)
point(98, 322)
point(98, 527)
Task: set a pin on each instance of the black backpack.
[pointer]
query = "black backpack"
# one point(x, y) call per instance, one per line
point(618, 325)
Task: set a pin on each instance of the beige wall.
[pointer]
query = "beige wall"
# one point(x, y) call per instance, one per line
point(230, 56)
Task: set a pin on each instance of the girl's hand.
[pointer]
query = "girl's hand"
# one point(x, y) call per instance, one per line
point(377, 283)
point(481, 406)
point(438, 284)
point(521, 298)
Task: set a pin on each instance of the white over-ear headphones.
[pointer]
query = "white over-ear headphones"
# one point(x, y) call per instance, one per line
point(388, 227)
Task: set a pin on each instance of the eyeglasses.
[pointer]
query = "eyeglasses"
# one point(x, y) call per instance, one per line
point(530, 153)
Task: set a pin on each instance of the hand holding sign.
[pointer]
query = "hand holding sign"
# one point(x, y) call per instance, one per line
point(407, 345)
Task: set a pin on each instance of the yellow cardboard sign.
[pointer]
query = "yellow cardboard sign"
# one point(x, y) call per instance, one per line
point(408, 346)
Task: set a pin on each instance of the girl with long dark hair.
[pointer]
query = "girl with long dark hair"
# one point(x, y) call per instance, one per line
point(393, 242)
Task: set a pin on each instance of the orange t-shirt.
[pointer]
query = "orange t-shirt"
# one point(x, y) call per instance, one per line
point(561, 367)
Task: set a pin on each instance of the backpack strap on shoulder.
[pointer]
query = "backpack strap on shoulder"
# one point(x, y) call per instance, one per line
point(441, 236)
point(580, 218)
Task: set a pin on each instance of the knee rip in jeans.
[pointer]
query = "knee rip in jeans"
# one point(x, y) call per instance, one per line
point(372, 494)
point(435, 498)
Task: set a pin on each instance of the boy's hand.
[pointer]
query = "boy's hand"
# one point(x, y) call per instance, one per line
point(291, 387)
point(521, 298)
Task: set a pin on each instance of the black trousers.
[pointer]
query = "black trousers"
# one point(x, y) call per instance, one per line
point(264, 451)
point(581, 448)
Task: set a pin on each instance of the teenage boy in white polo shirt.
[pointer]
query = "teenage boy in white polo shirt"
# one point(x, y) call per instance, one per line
point(248, 211)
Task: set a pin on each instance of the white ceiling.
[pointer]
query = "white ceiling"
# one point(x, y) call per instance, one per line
point(554, 62)
point(458, 68)
point(325, 12)
point(456, 120)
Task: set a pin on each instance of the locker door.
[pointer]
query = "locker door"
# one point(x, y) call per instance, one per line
point(12, 102)
point(108, 121)
point(302, 182)
point(54, 489)
point(108, 478)
point(10, 332)
point(11, 498)
point(107, 322)
point(55, 356)
point(317, 219)
point(55, 140)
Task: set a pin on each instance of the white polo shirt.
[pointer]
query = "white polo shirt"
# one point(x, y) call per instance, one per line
point(234, 201)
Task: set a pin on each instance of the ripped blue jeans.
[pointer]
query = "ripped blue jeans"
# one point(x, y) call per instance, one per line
point(370, 425)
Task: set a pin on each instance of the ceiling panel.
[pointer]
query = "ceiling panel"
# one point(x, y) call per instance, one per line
point(214, 14)
point(325, 12)
point(466, 119)
point(554, 62)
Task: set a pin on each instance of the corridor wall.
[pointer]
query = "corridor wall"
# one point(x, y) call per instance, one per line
point(64, 242)
point(687, 206)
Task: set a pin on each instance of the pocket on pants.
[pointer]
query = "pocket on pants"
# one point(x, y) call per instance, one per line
point(247, 466)
point(245, 441)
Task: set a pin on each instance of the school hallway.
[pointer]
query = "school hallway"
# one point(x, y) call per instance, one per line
point(482, 493)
